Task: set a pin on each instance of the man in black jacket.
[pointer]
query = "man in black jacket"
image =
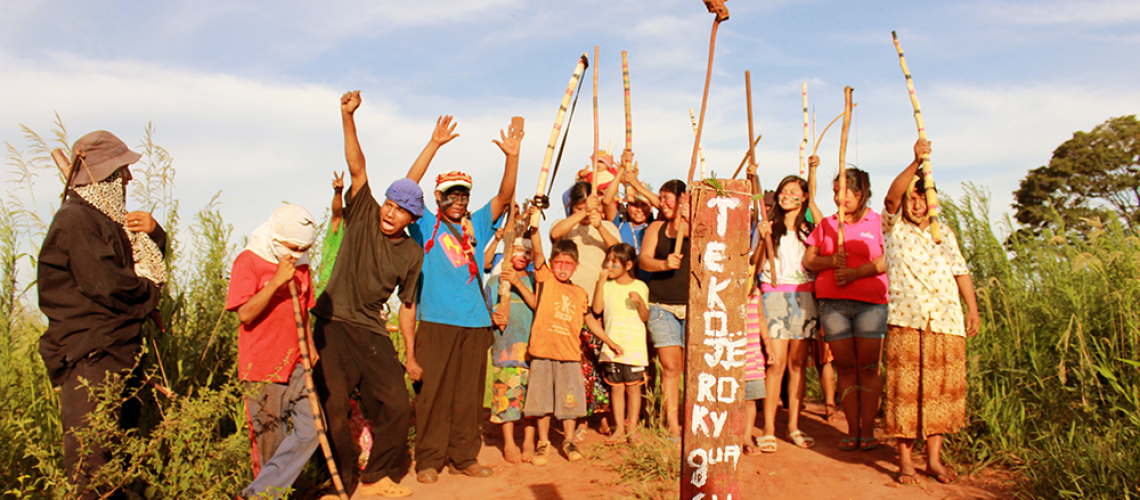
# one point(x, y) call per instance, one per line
point(100, 271)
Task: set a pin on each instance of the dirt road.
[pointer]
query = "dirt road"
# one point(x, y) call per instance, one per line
point(820, 473)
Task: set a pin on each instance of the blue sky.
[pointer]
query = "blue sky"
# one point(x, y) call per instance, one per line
point(244, 95)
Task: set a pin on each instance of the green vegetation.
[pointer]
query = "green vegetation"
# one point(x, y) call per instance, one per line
point(1054, 375)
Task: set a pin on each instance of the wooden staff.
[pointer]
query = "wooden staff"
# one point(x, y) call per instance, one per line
point(843, 161)
point(304, 341)
point(540, 199)
point(717, 8)
point(927, 173)
point(628, 112)
point(803, 144)
point(508, 252)
point(758, 205)
point(701, 149)
point(744, 160)
point(594, 166)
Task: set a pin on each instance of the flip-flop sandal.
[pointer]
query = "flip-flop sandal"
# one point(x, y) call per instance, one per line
point(912, 479)
point(767, 444)
point(869, 444)
point(950, 476)
point(751, 450)
point(849, 444)
point(801, 439)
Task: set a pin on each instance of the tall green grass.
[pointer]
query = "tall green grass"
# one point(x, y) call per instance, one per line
point(1054, 376)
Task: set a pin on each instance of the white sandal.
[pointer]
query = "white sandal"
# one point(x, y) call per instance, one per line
point(800, 439)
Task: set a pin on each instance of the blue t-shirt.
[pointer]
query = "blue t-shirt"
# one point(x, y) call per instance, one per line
point(629, 233)
point(446, 295)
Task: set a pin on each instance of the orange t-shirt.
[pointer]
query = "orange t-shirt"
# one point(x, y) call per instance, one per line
point(559, 318)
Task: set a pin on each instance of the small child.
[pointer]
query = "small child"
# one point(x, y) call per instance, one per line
point(556, 385)
point(622, 298)
point(509, 367)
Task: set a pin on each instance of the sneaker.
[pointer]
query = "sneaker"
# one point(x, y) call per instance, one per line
point(571, 451)
point(541, 454)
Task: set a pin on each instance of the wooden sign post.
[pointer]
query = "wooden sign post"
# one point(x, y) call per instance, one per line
point(715, 351)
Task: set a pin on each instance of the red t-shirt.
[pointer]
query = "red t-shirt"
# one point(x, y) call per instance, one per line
point(267, 350)
point(864, 243)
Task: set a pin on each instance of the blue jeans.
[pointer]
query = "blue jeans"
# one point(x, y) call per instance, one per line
point(843, 318)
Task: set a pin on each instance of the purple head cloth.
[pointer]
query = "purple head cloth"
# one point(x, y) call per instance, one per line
point(407, 194)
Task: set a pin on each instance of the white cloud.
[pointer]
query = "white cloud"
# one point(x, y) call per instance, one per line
point(1053, 12)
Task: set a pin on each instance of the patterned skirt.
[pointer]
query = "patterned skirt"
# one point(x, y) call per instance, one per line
point(925, 383)
point(508, 393)
point(597, 391)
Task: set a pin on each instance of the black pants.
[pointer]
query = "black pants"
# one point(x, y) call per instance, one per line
point(356, 358)
point(449, 406)
point(76, 402)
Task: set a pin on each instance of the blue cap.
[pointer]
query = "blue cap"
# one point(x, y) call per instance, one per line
point(407, 194)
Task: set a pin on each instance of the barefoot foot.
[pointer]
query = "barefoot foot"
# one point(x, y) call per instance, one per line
point(512, 453)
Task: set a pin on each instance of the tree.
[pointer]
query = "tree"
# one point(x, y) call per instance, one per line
point(1094, 174)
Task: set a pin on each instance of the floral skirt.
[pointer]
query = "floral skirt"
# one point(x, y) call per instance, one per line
point(597, 391)
point(925, 383)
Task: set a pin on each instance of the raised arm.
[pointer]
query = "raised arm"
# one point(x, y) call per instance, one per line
point(337, 202)
point(443, 133)
point(610, 194)
point(901, 184)
point(631, 179)
point(515, 278)
point(349, 102)
point(816, 213)
point(565, 225)
point(510, 143)
point(535, 241)
point(490, 250)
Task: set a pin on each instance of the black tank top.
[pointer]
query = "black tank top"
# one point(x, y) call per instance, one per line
point(670, 287)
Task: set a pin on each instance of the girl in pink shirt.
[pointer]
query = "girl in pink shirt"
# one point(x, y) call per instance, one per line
point(851, 290)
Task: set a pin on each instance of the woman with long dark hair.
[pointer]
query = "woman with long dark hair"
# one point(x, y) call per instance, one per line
point(668, 292)
point(789, 302)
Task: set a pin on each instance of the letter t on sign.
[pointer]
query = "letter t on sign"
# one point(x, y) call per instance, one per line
point(715, 341)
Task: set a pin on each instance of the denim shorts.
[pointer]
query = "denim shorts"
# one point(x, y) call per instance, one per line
point(791, 315)
point(664, 328)
point(843, 318)
point(755, 389)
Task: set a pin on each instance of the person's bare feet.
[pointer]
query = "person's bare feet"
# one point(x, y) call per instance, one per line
point(512, 453)
point(618, 436)
point(527, 451)
point(634, 437)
